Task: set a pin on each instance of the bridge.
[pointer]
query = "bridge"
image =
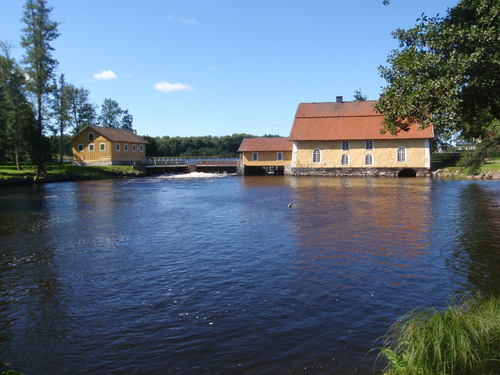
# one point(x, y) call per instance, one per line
point(162, 165)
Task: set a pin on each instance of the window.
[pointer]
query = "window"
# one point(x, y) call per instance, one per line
point(141, 147)
point(316, 156)
point(345, 145)
point(80, 148)
point(401, 154)
point(369, 145)
point(279, 156)
point(102, 146)
point(369, 159)
point(255, 156)
point(345, 159)
point(125, 147)
point(91, 136)
point(117, 147)
point(91, 147)
point(133, 148)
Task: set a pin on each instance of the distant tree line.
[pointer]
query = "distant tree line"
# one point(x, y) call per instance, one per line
point(39, 110)
point(196, 147)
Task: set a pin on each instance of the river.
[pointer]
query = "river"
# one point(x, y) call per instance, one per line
point(232, 275)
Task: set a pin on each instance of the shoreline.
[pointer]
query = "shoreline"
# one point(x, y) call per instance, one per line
point(69, 177)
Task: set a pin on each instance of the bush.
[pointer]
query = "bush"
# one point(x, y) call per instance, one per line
point(463, 339)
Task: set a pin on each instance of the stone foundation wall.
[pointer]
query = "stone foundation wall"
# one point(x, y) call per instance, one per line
point(356, 172)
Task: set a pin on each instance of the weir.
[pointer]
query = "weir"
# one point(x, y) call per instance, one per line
point(157, 165)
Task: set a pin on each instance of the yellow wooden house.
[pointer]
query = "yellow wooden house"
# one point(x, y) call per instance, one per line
point(346, 138)
point(97, 145)
point(265, 155)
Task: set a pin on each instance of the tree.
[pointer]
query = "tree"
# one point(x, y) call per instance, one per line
point(446, 72)
point(111, 114)
point(39, 32)
point(82, 111)
point(127, 121)
point(61, 110)
point(16, 115)
point(114, 117)
point(359, 96)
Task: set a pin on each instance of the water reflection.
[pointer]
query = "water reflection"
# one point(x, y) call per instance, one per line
point(222, 276)
point(478, 256)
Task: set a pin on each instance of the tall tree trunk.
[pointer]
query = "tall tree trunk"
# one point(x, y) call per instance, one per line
point(40, 167)
point(62, 133)
point(16, 152)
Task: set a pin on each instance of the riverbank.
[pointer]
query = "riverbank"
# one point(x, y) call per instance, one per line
point(56, 172)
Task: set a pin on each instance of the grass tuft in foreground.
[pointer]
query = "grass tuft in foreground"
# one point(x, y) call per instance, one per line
point(464, 339)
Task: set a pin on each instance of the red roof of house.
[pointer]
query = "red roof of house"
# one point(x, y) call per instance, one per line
point(345, 121)
point(266, 144)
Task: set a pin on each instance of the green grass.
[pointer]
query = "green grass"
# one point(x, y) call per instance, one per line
point(464, 339)
point(10, 171)
point(491, 165)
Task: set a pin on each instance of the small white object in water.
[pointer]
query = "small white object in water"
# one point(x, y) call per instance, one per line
point(289, 205)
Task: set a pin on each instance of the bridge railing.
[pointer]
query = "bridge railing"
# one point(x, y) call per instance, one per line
point(185, 161)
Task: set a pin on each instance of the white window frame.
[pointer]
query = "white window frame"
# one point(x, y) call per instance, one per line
point(125, 147)
point(316, 156)
point(81, 147)
point(117, 147)
point(91, 147)
point(102, 147)
point(141, 148)
point(255, 156)
point(369, 145)
point(344, 161)
point(370, 157)
point(134, 148)
point(91, 136)
point(346, 146)
point(279, 156)
point(401, 156)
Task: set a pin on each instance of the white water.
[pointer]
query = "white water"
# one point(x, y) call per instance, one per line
point(193, 175)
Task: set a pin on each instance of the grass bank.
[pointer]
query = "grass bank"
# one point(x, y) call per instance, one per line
point(444, 165)
point(463, 339)
point(9, 175)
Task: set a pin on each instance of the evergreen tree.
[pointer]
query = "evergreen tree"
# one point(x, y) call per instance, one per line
point(39, 32)
point(17, 124)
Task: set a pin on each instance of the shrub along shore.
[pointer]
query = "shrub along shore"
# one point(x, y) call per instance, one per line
point(463, 339)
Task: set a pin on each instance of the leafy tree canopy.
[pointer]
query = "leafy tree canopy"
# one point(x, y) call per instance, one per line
point(114, 117)
point(446, 72)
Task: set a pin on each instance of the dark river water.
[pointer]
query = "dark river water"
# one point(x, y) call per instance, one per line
point(218, 275)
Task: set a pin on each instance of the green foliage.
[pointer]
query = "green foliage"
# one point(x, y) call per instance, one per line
point(473, 160)
point(115, 117)
point(194, 147)
point(17, 120)
point(39, 32)
point(463, 339)
point(359, 96)
point(446, 72)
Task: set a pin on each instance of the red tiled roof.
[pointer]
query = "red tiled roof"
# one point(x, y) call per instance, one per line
point(345, 121)
point(266, 144)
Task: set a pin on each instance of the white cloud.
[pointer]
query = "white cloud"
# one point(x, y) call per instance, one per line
point(105, 75)
point(189, 21)
point(170, 87)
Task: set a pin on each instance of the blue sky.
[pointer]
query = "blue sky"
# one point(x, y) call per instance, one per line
point(218, 67)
